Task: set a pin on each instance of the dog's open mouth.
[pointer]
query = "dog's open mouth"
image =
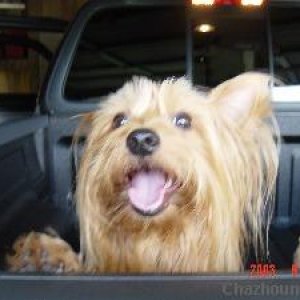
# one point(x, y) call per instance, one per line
point(149, 190)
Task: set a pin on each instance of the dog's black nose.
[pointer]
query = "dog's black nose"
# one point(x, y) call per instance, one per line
point(142, 142)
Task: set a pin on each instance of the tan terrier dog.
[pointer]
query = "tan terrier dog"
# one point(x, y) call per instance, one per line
point(172, 180)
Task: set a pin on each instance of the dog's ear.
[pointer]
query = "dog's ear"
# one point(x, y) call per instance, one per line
point(243, 96)
point(85, 125)
point(79, 138)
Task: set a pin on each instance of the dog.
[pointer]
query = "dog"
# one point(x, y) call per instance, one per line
point(172, 180)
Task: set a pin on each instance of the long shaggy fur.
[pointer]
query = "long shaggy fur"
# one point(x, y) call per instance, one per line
point(226, 165)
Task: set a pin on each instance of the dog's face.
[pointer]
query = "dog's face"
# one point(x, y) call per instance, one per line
point(151, 152)
point(163, 156)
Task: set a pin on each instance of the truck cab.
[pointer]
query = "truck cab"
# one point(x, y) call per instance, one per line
point(108, 42)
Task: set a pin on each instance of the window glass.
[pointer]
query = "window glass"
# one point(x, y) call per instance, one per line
point(285, 24)
point(120, 43)
point(228, 41)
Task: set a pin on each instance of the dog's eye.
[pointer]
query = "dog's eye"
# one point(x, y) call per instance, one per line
point(119, 120)
point(182, 120)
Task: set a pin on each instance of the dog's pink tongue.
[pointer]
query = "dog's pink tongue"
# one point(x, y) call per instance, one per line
point(147, 191)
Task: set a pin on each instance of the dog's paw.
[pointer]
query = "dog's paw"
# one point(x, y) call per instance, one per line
point(40, 252)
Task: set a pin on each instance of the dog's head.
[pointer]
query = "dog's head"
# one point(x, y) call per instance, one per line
point(164, 156)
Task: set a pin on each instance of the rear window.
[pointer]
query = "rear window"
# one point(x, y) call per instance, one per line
point(221, 42)
point(120, 43)
point(236, 42)
point(285, 25)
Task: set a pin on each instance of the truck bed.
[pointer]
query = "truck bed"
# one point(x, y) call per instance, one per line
point(37, 169)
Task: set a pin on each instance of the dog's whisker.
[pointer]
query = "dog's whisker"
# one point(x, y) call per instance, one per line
point(117, 216)
point(117, 208)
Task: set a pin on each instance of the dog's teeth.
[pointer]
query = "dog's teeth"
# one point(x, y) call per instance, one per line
point(169, 183)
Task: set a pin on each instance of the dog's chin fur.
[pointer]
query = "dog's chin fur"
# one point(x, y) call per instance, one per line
point(223, 171)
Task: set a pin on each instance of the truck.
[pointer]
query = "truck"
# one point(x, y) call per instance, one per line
point(108, 42)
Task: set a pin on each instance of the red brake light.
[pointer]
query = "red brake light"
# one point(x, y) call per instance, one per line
point(225, 2)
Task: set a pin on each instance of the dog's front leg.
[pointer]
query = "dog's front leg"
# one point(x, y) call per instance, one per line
point(41, 252)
